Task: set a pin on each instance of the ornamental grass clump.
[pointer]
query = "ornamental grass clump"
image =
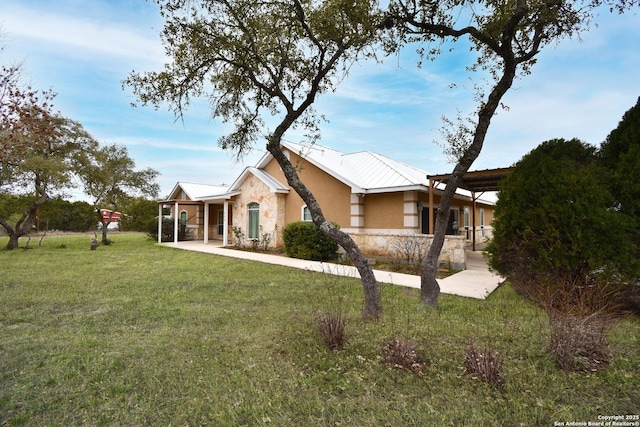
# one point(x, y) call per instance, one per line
point(402, 353)
point(579, 343)
point(580, 318)
point(332, 330)
point(484, 365)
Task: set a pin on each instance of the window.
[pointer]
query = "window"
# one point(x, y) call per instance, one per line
point(466, 222)
point(482, 221)
point(254, 221)
point(183, 217)
point(220, 222)
point(306, 214)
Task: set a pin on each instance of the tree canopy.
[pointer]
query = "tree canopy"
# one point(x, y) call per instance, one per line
point(260, 63)
point(109, 177)
point(43, 154)
point(38, 150)
point(256, 60)
point(620, 154)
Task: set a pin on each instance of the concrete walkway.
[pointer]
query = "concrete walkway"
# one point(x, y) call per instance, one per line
point(474, 282)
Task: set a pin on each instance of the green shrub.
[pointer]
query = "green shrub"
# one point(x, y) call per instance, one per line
point(305, 241)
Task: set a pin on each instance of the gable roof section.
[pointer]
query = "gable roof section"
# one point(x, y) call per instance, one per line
point(198, 191)
point(364, 171)
point(274, 185)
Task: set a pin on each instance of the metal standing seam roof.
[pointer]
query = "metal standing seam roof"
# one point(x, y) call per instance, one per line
point(363, 170)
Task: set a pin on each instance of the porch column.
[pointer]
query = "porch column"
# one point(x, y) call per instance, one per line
point(225, 224)
point(473, 221)
point(206, 222)
point(159, 222)
point(357, 211)
point(430, 206)
point(411, 214)
point(175, 223)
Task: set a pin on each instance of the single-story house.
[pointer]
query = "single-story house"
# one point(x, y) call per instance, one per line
point(371, 197)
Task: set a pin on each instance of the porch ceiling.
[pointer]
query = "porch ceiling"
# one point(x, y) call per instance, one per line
point(477, 181)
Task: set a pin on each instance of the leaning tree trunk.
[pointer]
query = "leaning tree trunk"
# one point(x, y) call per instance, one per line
point(429, 288)
point(24, 224)
point(13, 241)
point(372, 301)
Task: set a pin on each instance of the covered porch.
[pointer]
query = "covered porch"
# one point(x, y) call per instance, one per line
point(477, 183)
point(201, 220)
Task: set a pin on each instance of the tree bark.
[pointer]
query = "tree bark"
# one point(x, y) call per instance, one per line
point(24, 224)
point(429, 288)
point(372, 301)
point(13, 241)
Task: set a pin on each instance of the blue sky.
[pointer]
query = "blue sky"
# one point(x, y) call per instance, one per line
point(83, 49)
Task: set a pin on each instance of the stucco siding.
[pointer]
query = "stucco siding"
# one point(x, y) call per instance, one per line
point(333, 195)
point(385, 211)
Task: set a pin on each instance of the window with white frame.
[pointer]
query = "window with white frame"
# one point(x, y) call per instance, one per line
point(306, 214)
point(254, 220)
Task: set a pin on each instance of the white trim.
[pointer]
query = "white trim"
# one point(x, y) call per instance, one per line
point(411, 222)
point(160, 218)
point(206, 222)
point(225, 228)
point(357, 221)
point(175, 223)
point(410, 208)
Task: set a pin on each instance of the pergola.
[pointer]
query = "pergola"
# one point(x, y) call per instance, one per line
point(477, 182)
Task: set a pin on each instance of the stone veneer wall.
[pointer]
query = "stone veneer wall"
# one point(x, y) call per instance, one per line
point(453, 251)
point(271, 209)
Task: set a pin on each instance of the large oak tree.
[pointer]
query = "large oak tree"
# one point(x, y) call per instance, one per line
point(260, 63)
point(37, 151)
point(110, 178)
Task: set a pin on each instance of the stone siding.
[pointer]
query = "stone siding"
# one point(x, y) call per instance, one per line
point(453, 253)
point(271, 209)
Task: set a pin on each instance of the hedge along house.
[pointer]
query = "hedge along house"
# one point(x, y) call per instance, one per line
point(373, 198)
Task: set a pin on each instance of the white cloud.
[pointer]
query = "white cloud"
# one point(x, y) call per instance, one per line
point(78, 36)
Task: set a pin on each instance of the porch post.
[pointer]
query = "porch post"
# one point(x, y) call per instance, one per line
point(430, 206)
point(473, 221)
point(175, 223)
point(206, 222)
point(225, 224)
point(159, 222)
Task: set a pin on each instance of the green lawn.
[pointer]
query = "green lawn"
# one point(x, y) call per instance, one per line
point(138, 334)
